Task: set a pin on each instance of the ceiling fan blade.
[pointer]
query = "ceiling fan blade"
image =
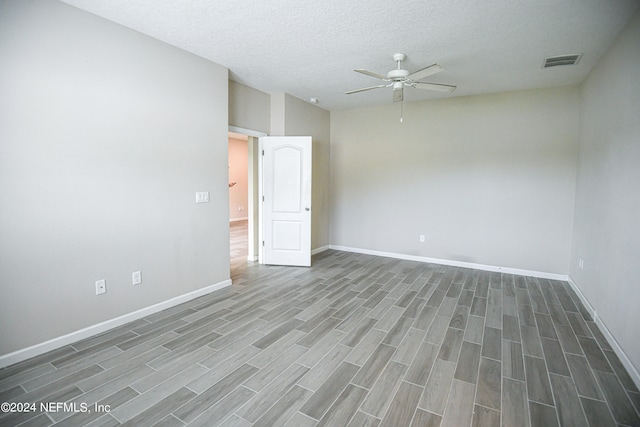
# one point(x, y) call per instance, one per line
point(425, 72)
point(371, 73)
point(433, 86)
point(364, 88)
point(398, 94)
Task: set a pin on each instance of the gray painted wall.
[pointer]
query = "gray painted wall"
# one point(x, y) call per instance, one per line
point(303, 118)
point(249, 108)
point(606, 231)
point(487, 179)
point(105, 136)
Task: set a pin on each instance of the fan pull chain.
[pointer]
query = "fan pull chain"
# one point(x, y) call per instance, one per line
point(401, 110)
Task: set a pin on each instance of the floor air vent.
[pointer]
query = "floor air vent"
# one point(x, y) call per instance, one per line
point(553, 61)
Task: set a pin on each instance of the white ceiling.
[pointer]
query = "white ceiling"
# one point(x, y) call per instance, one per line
point(310, 48)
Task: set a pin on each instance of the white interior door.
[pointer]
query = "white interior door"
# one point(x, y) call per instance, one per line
point(286, 191)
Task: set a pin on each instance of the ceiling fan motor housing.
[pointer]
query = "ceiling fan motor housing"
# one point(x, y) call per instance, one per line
point(397, 74)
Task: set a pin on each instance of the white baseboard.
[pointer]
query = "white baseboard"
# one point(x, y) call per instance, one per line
point(484, 267)
point(320, 249)
point(252, 258)
point(631, 369)
point(238, 219)
point(52, 344)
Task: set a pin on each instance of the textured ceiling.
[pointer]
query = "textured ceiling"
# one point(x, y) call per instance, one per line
point(310, 48)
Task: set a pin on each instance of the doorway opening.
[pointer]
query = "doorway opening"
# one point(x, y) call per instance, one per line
point(243, 196)
point(238, 198)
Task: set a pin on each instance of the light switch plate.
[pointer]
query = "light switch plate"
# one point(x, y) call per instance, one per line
point(202, 197)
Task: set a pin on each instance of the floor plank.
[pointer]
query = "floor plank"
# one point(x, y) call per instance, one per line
point(403, 405)
point(459, 410)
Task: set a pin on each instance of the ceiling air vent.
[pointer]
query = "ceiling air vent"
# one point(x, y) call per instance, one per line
point(553, 61)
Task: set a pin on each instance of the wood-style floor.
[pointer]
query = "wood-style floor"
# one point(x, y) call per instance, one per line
point(239, 246)
point(354, 340)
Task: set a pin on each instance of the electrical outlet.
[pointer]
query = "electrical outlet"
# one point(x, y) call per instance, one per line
point(422, 238)
point(581, 264)
point(136, 277)
point(202, 197)
point(101, 286)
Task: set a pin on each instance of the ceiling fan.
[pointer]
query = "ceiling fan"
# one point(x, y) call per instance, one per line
point(399, 78)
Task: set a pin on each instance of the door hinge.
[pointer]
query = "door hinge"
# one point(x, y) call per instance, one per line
point(263, 243)
point(263, 152)
point(263, 198)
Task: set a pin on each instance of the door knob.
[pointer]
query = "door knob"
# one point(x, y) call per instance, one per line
point(307, 209)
